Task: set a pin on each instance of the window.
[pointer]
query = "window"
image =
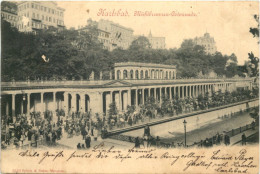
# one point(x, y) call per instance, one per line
point(49, 10)
point(45, 9)
point(27, 14)
point(27, 5)
point(32, 5)
point(38, 17)
point(52, 11)
point(49, 19)
point(46, 18)
point(41, 8)
point(33, 15)
point(24, 6)
point(42, 17)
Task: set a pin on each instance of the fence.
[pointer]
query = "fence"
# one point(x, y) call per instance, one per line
point(230, 133)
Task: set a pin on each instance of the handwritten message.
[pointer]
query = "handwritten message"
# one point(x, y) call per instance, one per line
point(185, 160)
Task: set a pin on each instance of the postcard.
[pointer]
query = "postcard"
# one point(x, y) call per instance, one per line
point(130, 87)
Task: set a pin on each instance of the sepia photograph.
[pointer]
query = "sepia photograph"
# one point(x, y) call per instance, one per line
point(129, 87)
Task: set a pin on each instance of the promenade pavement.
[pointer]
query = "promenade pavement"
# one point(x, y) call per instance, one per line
point(237, 139)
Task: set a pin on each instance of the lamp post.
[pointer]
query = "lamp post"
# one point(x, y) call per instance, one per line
point(184, 123)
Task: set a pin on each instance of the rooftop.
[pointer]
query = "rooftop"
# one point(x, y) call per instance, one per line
point(17, 86)
point(139, 64)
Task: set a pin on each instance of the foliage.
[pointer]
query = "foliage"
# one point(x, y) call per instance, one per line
point(254, 61)
point(112, 111)
point(74, 55)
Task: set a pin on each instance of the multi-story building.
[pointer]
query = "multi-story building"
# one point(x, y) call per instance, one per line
point(112, 35)
point(156, 42)
point(9, 13)
point(207, 42)
point(35, 15)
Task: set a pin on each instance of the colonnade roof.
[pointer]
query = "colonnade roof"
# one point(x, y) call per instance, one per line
point(139, 64)
point(7, 86)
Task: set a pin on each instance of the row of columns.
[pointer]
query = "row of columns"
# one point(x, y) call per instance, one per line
point(145, 74)
point(123, 100)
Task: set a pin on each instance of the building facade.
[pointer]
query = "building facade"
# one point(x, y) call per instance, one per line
point(120, 36)
point(110, 34)
point(36, 15)
point(207, 42)
point(134, 70)
point(156, 42)
point(96, 96)
point(9, 13)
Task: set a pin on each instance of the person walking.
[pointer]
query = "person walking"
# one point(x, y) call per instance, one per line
point(147, 131)
point(88, 141)
point(137, 142)
point(157, 141)
point(243, 139)
point(95, 134)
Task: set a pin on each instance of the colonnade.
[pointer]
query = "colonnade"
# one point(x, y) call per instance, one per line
point(145, 74)
point(98, 101)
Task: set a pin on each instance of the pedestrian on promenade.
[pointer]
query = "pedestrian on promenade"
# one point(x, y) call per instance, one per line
point(173, 145)
point(147, 131)
point(157, 141)
point(88, 141)
point(243, 139)
point(78, 146)
point(95, 133)
point(137, 142)
point(145, 142)
point(226, 140)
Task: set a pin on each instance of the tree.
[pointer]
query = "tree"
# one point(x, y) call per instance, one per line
point(140, 43)
point(112, 111)
point(255, 30)
point(254, 61)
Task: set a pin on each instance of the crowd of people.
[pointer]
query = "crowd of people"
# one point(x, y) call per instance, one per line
point(30, 131)
point(23, 130)
point(153, 109)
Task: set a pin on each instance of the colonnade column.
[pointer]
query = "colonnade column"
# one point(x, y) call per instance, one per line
point(120, 101)
point(54, 102)
point(42, 104)
point(190, 91)
point(182, 92)
point(129, 97)
point(28, 104)
point(101, 102)
point(143, 96)
point(82, 103)
point(73, 102)
point(187, 91)
point(13, 105)
point(170, 92)
point(175, 92)
point(179, 92)
point(7, 108)
point(66, 106)
point(155, 94)
point(111, 96)
point(136, 97)
point(21, 104)
point(160, 92)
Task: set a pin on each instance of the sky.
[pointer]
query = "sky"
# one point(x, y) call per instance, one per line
point(228, 22)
